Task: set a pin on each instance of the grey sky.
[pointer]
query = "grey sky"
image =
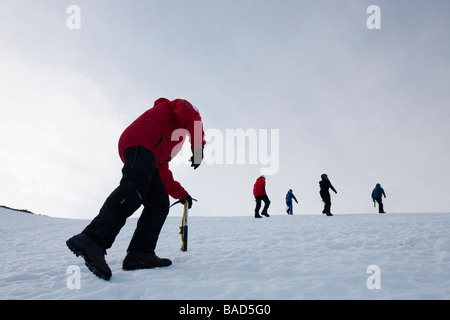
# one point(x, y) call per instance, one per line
point(364, 106)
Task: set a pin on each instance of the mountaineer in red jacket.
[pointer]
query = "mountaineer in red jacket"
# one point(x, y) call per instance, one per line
point(259, 191)
point(145, 147)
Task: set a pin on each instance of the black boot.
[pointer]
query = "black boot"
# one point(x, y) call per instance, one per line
point(93, 254)
point(139, 260)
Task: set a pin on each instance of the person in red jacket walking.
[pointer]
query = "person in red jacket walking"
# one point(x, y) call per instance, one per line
point(259, 191)
point(145, 147)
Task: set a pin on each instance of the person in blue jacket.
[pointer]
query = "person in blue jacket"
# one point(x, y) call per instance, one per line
point(377, 193)
point(289, 197)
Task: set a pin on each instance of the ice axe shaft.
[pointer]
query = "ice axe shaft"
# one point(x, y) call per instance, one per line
point(184, 224)
point(184, 227)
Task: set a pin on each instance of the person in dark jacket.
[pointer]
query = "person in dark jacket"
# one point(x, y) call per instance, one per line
point(259, 192)
point(289, 197)
point(145, 147)
point(377, 193)
point(325, 186)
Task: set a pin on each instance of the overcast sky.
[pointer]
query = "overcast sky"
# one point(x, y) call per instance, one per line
point(364, 106)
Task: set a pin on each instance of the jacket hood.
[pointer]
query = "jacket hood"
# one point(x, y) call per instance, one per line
point(160, 100)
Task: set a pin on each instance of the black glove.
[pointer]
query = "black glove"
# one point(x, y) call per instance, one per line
point(197, 158)
point(189, 200)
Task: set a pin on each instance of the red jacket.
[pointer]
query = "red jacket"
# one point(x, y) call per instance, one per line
point(156, 130)
point(259, 189)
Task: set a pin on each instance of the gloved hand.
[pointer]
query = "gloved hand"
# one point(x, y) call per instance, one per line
point(189, 200)
point(197, 158)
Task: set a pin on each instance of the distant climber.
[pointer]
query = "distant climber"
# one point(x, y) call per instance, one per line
point(377, 194)
point(325, 186)
point(289, 197)
point(259, 191)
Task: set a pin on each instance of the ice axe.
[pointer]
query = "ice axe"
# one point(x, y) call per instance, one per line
point(184, 224)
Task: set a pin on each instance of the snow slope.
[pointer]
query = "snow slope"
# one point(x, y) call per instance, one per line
point(281, 257)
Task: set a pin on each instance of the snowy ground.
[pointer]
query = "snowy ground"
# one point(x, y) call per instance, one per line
point(240, 258)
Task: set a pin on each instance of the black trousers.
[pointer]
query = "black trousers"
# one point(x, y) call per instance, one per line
point(266, 200)
point(289, 209)
point(380, 204)
point(140, 185)
point(327, 202)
